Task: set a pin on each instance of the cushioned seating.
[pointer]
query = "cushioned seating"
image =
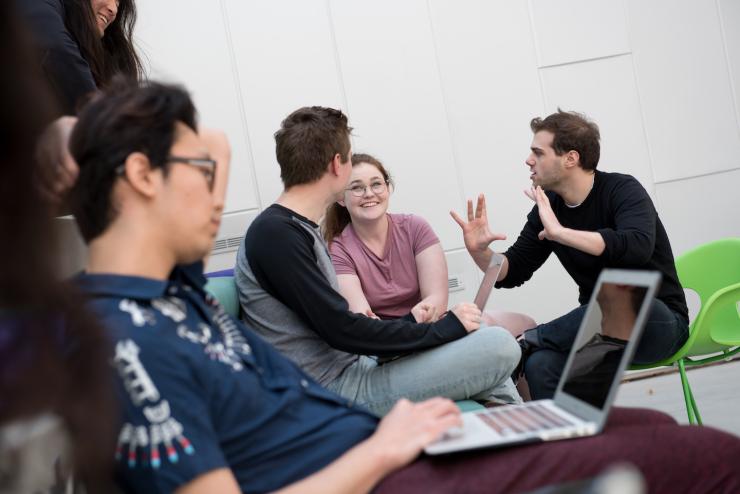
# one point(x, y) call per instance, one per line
point(224, 289)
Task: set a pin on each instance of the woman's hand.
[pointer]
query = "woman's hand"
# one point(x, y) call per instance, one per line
point(425, 312)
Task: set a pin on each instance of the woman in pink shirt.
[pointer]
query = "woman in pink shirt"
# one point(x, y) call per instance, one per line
point(390, 264)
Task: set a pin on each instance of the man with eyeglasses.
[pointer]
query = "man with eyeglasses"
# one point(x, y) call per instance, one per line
point(288, 293)
point(209, 407)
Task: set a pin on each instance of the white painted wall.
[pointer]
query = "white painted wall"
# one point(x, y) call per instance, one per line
point(443, 91)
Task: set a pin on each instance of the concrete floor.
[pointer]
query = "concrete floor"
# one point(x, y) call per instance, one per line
point(716, 391)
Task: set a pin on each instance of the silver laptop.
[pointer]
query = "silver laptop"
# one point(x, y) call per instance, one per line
point(489, 279)
point(604, 345)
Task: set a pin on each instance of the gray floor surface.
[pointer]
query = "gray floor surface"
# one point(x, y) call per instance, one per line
point(716, 391)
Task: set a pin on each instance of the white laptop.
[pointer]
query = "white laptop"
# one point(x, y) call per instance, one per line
point(604, 345)
point(489, 280)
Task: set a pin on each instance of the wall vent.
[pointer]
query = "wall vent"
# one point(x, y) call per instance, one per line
point(455, 283)
point(224, 245)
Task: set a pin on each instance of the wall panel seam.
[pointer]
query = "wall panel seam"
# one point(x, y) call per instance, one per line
point(699, 175)
point(240, 102)
point(733, 87)
point(538, 55)
point(445, 106)
point(643, 118)
point(337, 59)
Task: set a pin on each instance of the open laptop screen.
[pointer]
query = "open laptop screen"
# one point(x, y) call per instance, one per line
point(489, 280)
point(608, 326)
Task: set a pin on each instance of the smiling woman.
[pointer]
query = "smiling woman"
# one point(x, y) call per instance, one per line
point(82, 44)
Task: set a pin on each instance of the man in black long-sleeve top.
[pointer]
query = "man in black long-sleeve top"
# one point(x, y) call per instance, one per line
point(288, 293)
point(591, 220)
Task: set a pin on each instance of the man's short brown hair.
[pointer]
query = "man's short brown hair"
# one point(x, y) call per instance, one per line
point(308, 140)
point(572, 132)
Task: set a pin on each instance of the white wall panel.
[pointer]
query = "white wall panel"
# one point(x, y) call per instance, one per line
point(730, 17)
point(700, 210)
point(185, 41)
point(683, 79)
point(581, 87)
point(460, 265)
point(286, 60)
point(387, 58)
point(573, 30)
point(549, 294)
point(491, 88)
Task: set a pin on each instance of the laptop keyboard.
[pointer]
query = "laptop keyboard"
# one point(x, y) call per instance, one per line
point(520, 419)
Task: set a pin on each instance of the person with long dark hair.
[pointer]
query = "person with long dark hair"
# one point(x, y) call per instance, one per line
point(82, 44)
point(54, 379)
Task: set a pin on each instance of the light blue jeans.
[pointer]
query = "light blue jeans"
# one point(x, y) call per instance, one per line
point(477, 367)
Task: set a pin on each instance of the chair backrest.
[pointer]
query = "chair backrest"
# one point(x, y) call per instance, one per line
point(708, 269)
point(224, 289)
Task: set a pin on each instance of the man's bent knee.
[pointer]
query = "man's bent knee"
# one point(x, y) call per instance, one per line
point(496, 343)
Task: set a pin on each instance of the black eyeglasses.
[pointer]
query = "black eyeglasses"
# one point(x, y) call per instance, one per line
point(358, 190)
point(206, 165)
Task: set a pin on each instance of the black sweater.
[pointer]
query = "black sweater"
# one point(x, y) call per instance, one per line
point(66, 71)
point(620, 209)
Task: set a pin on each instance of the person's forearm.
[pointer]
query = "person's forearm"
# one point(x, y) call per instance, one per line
point(588, 242)
point(357, 471)
point(482, 258)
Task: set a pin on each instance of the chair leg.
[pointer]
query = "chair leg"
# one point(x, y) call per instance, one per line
point(691, 409)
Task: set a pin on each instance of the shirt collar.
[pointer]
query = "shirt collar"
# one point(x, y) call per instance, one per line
point(121, 286)
point(140, 287)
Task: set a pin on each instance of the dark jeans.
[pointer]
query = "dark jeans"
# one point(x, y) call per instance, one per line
point(672, 458)
point(665, 332)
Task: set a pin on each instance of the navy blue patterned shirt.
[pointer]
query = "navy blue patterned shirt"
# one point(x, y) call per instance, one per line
point(202, 392)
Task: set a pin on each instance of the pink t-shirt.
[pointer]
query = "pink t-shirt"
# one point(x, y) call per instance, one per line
point(390, 283)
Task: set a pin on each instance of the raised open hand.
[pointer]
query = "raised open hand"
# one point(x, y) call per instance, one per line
point(552, 227)
point(476, 232)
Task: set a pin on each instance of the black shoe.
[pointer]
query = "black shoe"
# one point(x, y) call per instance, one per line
point(527, 347)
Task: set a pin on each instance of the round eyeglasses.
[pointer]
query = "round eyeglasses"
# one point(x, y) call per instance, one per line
point(358, 190)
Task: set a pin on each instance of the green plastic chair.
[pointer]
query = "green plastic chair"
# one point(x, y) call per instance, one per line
point(713, 271)
point(224, 289)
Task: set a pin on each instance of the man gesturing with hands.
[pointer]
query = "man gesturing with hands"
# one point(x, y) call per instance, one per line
point(590, 220)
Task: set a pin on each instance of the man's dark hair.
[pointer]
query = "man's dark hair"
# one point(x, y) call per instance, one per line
point(127, 117)
point(307, 141)
point(572, 132)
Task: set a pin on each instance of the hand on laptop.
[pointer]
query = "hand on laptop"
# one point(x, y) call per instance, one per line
point(469, 315)
point(409, 427)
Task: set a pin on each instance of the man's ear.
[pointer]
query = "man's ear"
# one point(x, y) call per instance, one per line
point(341, 203)
point(572, 158)
point(140, 175)
point(336, 164)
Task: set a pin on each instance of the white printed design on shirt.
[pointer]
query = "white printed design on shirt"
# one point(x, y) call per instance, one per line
point(171, 307)
point(139, 315)
point(162, 429)
point(226, 352)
